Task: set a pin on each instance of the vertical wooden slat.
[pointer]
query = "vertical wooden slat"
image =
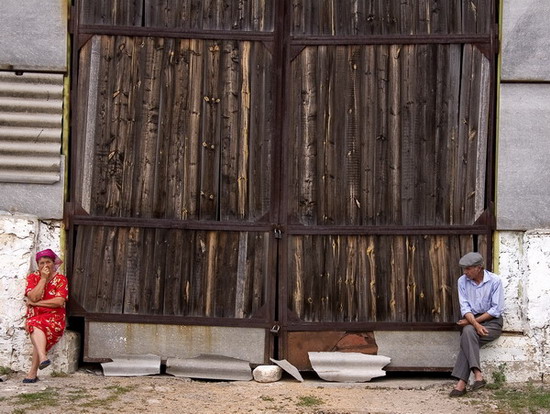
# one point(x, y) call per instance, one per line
point(243, 179)
point(211, 266)
point(103, 271)
point(381, 143)
point(192, 126)
point(242, 274)
point(352, 143)
point(211, 134)
point(132, 293)
point(296, 288)
point(117, 285)
point(394, 135)
point(231, 110)
point(409, 155)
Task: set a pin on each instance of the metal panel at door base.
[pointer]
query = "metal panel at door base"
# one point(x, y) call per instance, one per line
point(105, 340)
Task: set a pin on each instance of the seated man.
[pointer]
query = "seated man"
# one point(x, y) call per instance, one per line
point(481, 299)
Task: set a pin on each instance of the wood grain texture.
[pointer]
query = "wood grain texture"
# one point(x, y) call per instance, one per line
point(388, 135)
point(383, 17)
point(170, 272)
point(376, 278)
point(183, 130)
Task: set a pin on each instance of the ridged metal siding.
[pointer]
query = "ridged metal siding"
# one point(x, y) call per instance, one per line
point(31, 111)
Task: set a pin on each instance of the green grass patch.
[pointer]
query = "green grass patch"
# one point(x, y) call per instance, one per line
point(78, 394)
point(36, 400)
point(119, 390)
point(266, 398)
point(116, 392)
point(530, 399)
point(59, 374)
point(5, 370)
point(309, 401)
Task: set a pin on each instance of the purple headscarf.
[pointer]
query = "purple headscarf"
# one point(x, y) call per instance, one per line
point(49, 253)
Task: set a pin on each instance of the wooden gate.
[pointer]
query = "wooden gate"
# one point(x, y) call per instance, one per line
point(311, 168)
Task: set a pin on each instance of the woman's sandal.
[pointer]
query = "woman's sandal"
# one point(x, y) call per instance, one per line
point(30, 380)
point(44, 364)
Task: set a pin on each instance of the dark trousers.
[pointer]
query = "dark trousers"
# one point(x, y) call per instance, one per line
point(470, 343)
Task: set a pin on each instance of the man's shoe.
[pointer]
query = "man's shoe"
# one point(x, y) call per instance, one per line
point(478, 384)
point(457, 393)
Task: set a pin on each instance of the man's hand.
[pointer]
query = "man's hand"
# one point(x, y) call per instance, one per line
point(481, 330)
point(462, 323)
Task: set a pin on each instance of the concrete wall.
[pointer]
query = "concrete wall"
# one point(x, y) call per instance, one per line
point(522, 242)
point(33, 36)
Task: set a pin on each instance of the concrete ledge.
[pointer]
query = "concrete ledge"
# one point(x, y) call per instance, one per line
point(65, 354)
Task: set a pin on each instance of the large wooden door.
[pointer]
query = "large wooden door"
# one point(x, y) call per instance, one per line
point(310, 168)
point(387, 141)
point(172, 202)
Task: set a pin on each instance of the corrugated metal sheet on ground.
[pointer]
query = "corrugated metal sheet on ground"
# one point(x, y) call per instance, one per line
point(348, 366)
point(132, 366)
point(216, 367)
point(31, 111)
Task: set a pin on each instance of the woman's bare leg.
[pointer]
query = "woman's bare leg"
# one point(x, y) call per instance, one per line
point(38, 339)
point(33, 371)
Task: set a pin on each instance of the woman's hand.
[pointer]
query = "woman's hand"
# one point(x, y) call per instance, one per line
point(31, 303)
point(45, 272)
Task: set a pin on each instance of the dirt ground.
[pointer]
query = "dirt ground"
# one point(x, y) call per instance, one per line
point(88, 391)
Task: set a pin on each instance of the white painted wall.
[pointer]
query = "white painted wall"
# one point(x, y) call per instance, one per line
point(522, 245)
point(21, 236)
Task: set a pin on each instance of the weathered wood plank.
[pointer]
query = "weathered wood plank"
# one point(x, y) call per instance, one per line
point(379, 17)
point(132, 291)
point(210, 149)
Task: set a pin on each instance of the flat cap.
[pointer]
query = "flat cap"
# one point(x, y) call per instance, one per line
point(471, 259)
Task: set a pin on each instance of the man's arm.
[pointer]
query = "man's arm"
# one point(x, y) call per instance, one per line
point(470, 319)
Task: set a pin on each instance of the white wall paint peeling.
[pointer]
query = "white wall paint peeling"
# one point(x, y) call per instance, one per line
point(20, 237)
point(524, 264)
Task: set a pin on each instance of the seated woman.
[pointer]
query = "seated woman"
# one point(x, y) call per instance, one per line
point(46, 292)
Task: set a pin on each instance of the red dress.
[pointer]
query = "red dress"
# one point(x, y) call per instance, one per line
point(51, 321)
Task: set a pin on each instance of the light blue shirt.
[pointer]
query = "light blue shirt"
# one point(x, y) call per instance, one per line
point(488, 296)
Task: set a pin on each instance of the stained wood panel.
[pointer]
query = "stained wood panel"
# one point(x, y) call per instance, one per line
point(388, 135)
point(244, 15)
point(147, 271)
point(370, 133)
point(390, 17)
point(183, 128)
point(375, 278)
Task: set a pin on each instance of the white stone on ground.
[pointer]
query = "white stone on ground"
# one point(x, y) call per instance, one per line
point(267, 373)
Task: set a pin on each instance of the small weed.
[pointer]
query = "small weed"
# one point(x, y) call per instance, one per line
point(41, 399)
point(59, 374)
point(18, 411)
point(499, 377)
point(5, 370)
point(78, 394)
point(116, 390)
point(309, 401)
point(119, 390)
point(529, 399)
point(266, 398)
